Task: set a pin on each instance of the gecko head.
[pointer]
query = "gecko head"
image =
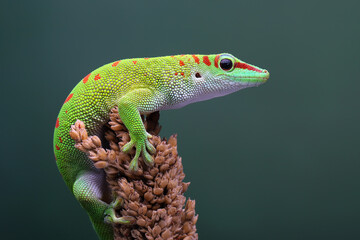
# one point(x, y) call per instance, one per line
point(231, 70)
point(216, 76)
point(223, 74)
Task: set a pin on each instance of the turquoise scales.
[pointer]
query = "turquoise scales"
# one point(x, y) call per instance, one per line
point(137, 86)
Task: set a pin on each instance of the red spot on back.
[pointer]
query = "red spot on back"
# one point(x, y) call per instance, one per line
point(176, 73)
point(57, 123)
point(85, 79)
point(115, 63)
point(69, 97)
point(206, 60)
point(97, 77)
point(182, 73)
point(246, 66)
point(134, 62)
point(57, 147)
point(197, 60)
point(216, 61)
point(146, 58)
point(181, 63)
point(60, 139)
point(66, 111)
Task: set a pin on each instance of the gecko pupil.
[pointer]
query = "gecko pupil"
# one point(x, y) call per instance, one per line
point(226, 64)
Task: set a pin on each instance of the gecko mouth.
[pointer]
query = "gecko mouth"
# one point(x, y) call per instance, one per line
point(254, 84)
point(249, 79)
point(255, 80)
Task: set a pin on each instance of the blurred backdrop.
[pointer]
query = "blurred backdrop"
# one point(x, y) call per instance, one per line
point(280, 161)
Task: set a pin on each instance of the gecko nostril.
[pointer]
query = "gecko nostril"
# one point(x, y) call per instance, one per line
point(197, 75)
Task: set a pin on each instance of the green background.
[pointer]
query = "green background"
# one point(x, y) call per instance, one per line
point(280, 161)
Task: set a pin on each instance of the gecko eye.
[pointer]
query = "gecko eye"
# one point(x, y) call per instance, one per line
point(226, 64)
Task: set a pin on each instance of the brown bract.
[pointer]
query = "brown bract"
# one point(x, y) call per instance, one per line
point(153, 196)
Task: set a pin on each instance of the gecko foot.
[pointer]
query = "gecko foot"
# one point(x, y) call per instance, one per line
point(143, 147)
point(110, 216)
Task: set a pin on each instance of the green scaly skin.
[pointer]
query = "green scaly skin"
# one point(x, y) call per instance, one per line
point(137, 86)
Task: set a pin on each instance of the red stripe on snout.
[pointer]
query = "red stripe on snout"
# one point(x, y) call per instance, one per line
point(246, 66)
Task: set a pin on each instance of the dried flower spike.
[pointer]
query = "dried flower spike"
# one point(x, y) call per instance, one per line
point(153, 196)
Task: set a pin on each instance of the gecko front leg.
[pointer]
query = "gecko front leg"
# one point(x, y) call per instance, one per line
point(130, 105)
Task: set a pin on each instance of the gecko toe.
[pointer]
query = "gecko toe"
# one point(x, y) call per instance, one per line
point(117, 203)
point(110, 215)
point(127, 147)
point(133, 166)
point(149, 161)
point(111, 218)
point(150, 147)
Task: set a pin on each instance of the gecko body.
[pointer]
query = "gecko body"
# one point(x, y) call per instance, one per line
point(137, 86)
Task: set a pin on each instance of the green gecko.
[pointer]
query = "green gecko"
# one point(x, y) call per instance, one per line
point(137, 86)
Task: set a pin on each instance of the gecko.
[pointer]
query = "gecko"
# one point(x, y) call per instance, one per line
point(137, 86)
